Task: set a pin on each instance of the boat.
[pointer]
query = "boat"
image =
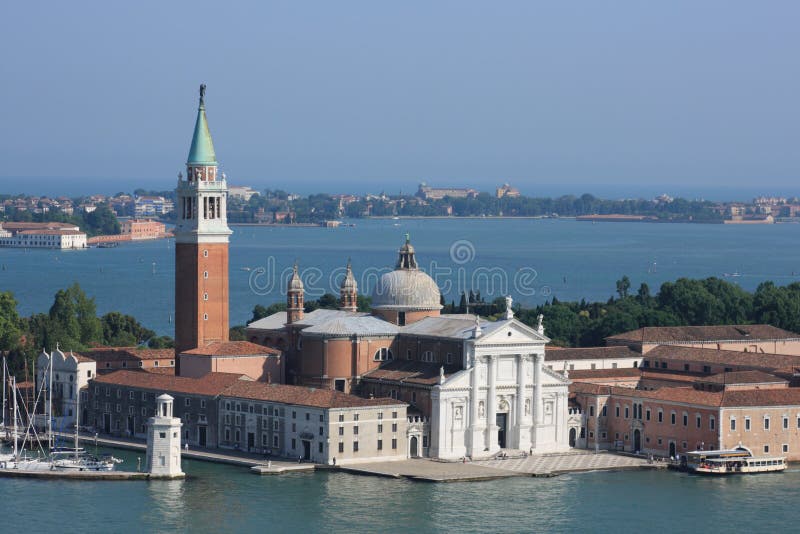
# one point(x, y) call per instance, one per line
point(732, 461)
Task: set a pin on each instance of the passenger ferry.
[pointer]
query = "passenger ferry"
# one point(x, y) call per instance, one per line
point(734, 461)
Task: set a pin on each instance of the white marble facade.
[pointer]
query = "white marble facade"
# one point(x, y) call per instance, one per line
point(504, 398)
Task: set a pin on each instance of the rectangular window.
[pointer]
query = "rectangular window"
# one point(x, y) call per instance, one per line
point(647, 414)
point(394, 415)
point(605, 411)
point(275, 441)
point(786, 423)
point(394, 443)
point(187, 401)
point(202, 403)
point(712, 424)
point(341, 446)
point(294, 443)
point(685, 419)
point(321, 418)
point(591, 411)
point(294, 415)
point(626, 412)
point(321, 447)
point(355, 446)
point(380, 444)
point(355, 417)
point(733, 424)
point(341, 431)
point(355, 430)
point(785, 447)
point(672, 418)
point(747, 424)
point(308, 416)
point(341, 418)
point(321, 431)
point(394, 427)
point(130, 395)
point(766, 449)
point(699, 422)
point(380, 415)
point(616, 411)
point(380, 429)
point(766, 423)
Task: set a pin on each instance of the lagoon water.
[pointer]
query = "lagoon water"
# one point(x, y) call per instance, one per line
point(532, 259)
point(217, 498)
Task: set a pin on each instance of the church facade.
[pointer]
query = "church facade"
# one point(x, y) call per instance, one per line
point(474, 386)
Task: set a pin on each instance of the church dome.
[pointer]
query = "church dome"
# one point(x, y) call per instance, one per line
point(406, 288)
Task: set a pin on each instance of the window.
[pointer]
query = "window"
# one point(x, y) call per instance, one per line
point(647, 414)
point(162, 435)
point(341, 446)
point(394, 427)
point(614, 365)
point(294, 427)
point(408, 354)
point(205, 253)
point(341, 431)
point(205, 296)
point(594, 366)
point(785, 447)
point(202, 403)
point(427, 356)
point(380, 415)
point(130, 395)
point(321, 447)
point(616, 411)
point(144, 412)
point(685, 419)
point(394, 443)
point(698, 421)
point(355, 446)
point(119, 393)
point(626, 411)
point(685, 366)
point(747, 424)
point(294, 415)
point(294, 443)
point(264, 440)
point(355, 417)
point(712, 423)
point(380, 429)
point(766, 449)
point(382, 355)
point(355, 430)
point(341, 418)
point(187, 401)
point(380, 444)
point(275, 425)
point(275, 441)
point(605, 411)
point(119, 408)
point(205, 274)
point(394, 415)
point(449, 358)
point(130, 410)
point(766, 423)
point(591, 411)
point(672, 417)
point(321, 418)
point(785, 423)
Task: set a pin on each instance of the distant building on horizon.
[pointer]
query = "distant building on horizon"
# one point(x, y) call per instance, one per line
point(506, 191)
point(437, 193)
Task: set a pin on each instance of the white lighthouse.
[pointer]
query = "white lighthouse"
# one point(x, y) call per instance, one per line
point(164, 441)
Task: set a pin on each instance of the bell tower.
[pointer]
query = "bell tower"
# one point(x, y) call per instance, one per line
point(348, 292)
point(295, 297)
point(201, 245)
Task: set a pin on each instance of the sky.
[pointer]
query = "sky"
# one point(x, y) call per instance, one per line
point(621, 98)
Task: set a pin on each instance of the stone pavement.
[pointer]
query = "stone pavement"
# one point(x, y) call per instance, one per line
point(429, 470)
point(575, 461)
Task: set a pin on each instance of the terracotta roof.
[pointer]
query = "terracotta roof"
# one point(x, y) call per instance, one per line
point(743, 377)
point(676, 334)
point(302, 396)
point(590, 353)
point(211, 384)
point(113, 354)
point(414, 372)
point(722, 357)
point(589, 388)
point(762, 397)
point(623, 372)
point(232, 348)
point(686, 395)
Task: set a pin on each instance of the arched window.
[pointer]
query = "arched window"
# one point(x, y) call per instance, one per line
point(382, 355)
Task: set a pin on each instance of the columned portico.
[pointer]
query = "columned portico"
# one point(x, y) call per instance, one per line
point(491, 405)
point(523, 404)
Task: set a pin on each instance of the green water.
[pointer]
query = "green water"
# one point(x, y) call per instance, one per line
point(217, 498)
point(531, 259)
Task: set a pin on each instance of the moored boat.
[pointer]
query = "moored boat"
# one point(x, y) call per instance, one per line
point(732, 462)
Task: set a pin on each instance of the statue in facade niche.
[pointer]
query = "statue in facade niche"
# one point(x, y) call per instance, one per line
point(481, 410)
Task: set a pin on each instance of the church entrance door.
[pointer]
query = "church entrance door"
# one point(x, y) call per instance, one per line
point(572, 436)
point(501, 419)
point(414, 447)
point(637, 440)
point(306, 450)
point(251, 441)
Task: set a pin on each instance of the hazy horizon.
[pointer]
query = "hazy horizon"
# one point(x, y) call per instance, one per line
point(688, 99)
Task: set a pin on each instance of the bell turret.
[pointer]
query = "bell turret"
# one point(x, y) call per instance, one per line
point(348, 292)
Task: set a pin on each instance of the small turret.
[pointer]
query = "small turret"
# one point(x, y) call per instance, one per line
point(348, 292)
point(295, 297)
point(407, 259)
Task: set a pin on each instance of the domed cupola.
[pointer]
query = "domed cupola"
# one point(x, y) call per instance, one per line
point(406, 294)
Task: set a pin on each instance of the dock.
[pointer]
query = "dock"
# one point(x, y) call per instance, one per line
point(79, 475)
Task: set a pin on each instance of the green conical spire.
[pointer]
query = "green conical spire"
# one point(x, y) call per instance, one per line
point(202, 150)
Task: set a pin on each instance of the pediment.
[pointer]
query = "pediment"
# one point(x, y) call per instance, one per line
point(511, 332)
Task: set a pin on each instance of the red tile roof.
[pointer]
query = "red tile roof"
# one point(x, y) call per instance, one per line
point(115, 354)
point(414, 372)
point(676, 334)
point(211, 384)
point(232, 348)
point(623, 372)
point(590, 353)
point(743, 377)
point(762, 397)
point(302, 396)
point(685, 395)
point(722, 357)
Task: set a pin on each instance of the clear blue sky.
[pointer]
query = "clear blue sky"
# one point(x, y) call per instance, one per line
point(371, 95)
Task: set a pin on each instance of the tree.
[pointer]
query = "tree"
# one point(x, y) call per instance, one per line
point(73, 319)
point(9, 322)
point(123, 330)
point(259, 311)
point(623, 285)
